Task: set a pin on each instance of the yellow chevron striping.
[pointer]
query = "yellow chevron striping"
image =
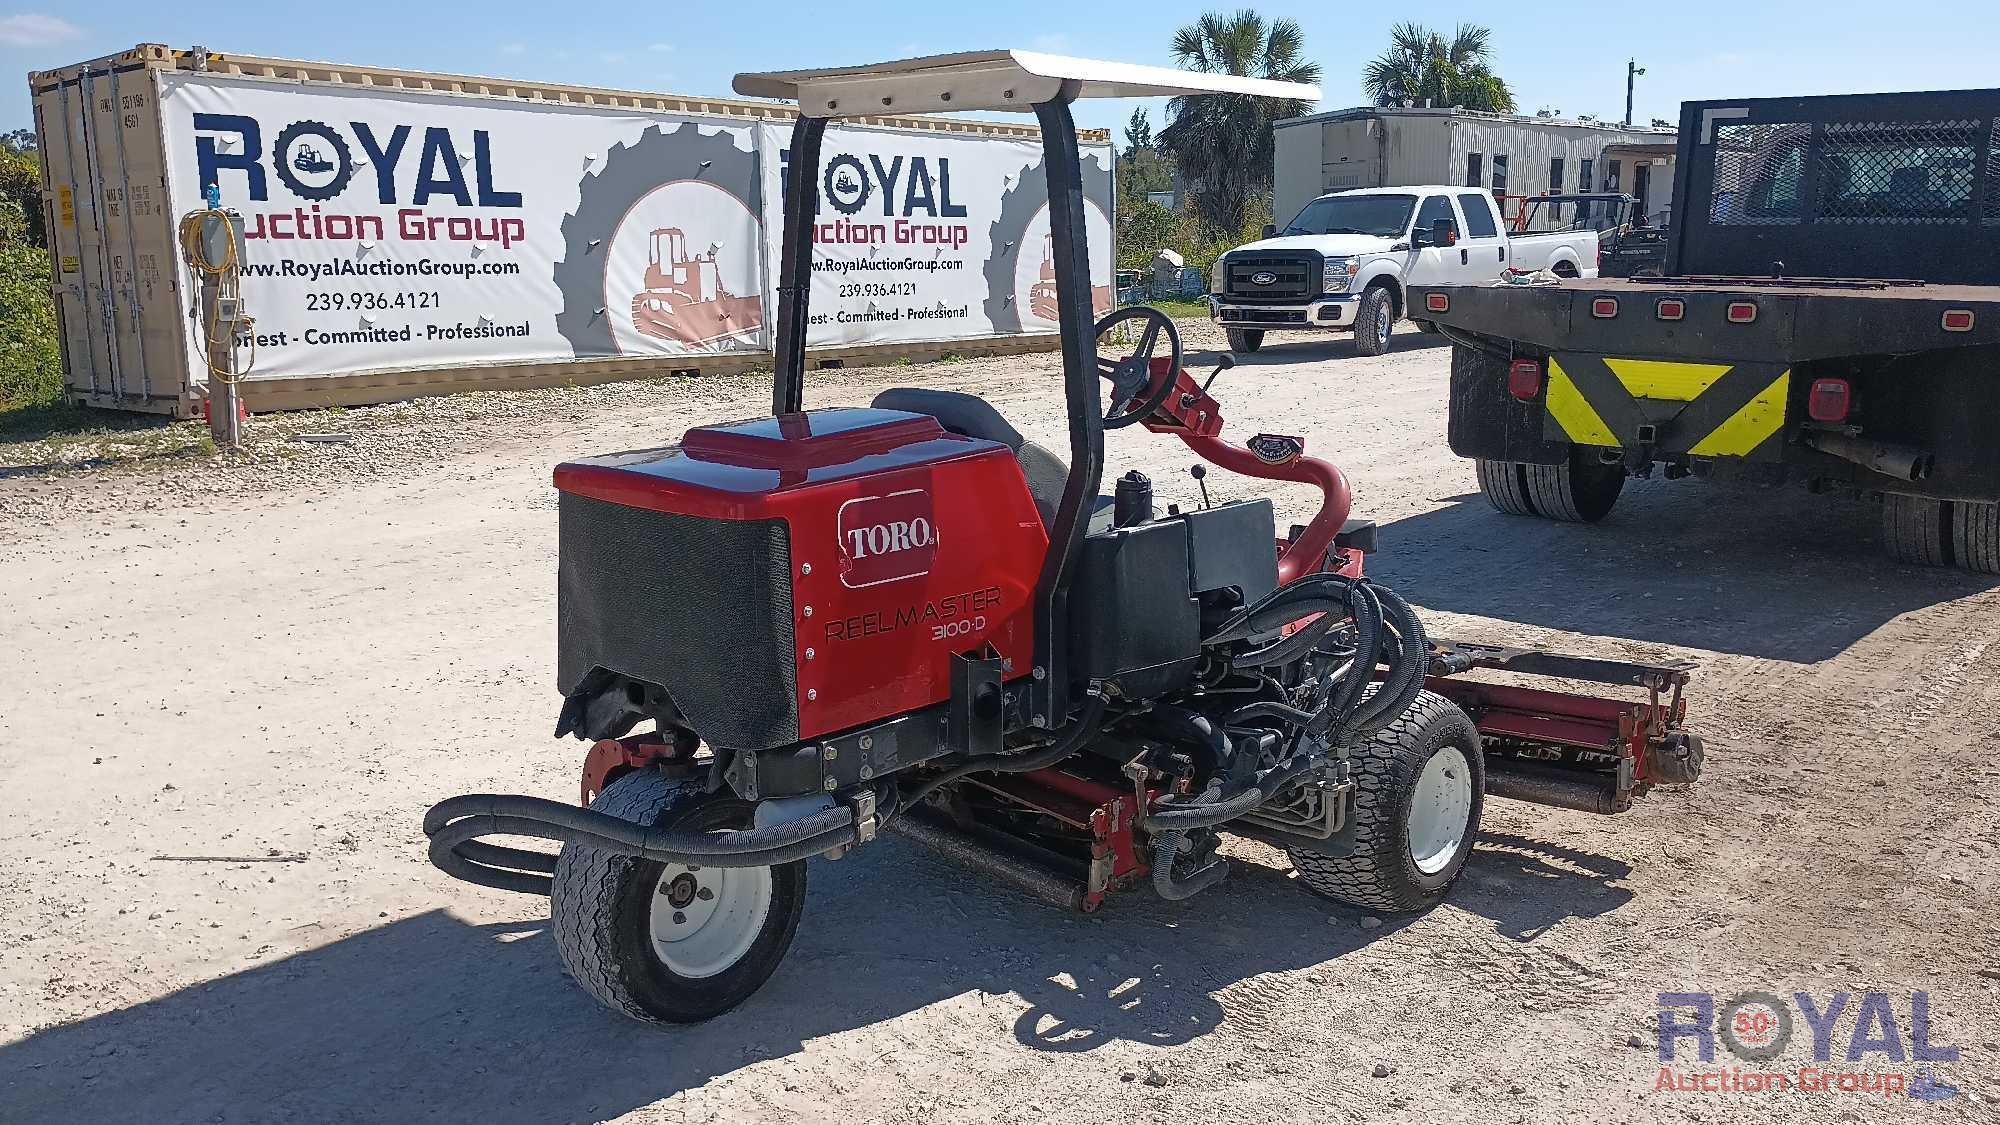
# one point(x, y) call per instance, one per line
point(1749, 427)
point(1659, 379)
point(1573, 412)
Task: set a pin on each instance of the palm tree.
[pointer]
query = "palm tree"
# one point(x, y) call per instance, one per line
point(1222, 143)
point(1421, 67)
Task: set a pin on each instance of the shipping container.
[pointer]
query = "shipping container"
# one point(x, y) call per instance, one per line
point(408, 233)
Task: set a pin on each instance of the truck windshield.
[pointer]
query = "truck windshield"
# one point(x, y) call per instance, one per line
point(1385, 215)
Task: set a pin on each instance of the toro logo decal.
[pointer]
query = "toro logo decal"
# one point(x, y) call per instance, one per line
point(886, 538)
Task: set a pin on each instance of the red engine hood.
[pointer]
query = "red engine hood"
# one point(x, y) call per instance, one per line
point(733, 470)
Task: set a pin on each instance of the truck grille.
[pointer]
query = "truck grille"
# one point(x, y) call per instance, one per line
point(1287, 277)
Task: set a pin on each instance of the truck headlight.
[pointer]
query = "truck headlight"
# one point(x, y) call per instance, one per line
point(1336, 273)
point(1215, 276)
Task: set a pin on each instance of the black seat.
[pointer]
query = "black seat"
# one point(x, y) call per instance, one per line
point(972, 416)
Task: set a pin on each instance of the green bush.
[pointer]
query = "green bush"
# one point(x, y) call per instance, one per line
point(1145, 228)
point(30, 364)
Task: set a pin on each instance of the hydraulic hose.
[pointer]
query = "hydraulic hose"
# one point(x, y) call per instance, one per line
point(1072, 740)
point(1165, 851)
point(1407, 666)
point(455, 825)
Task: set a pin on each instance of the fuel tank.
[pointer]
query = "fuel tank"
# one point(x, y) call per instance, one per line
point(786, 578)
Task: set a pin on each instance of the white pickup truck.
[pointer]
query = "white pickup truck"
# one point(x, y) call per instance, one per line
point(1345, 261)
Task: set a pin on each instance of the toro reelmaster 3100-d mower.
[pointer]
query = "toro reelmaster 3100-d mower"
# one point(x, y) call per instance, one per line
point(826, 623)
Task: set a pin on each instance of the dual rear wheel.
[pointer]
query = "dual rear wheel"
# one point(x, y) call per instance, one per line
point(1927, 532)
point(1578, 490)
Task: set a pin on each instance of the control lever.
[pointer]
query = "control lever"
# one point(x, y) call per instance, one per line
point(1223, 363)
point(1200, 475)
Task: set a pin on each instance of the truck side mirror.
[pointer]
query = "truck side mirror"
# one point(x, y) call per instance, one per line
point(1270, 230)
point(1444, 232)
point(1419, 238)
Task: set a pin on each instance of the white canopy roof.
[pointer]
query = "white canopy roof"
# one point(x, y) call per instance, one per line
point(990, 80)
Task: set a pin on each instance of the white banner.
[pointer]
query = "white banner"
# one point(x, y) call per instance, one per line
point(386, 229)
point(394, 229)
point(928, 236)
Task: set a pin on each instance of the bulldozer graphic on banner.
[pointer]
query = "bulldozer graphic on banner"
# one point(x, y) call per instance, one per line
point(685, 300)
point(1042, 294)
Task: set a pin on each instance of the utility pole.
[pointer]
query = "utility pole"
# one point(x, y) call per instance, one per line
point(1632, 71)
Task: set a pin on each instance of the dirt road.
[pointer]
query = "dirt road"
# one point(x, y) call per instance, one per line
point(228, 693)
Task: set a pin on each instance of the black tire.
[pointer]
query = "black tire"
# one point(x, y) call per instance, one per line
point(1914, 530)
point(1380, 873)
point(1975, 536)
point(1579, 490)
point(1245, 340)
point(1375, 321)
point(601, 903)
point(1504, 486)
point(1427, 327)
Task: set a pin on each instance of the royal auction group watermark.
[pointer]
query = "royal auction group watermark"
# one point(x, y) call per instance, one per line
point(1871, 1043)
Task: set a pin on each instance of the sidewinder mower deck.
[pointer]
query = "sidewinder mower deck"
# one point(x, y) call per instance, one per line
point(787, 634)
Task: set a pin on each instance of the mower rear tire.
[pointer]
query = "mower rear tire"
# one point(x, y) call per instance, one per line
point(668, 943)
point(1245, 340)
point(1419, 785)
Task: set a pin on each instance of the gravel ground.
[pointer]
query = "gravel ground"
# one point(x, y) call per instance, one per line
point(233, 685)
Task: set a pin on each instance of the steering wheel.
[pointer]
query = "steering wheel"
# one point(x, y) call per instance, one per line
point(1132, 377)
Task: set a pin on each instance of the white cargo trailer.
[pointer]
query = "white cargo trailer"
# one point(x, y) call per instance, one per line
point(409, 233)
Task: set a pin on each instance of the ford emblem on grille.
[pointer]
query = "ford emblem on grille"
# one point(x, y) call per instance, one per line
point(1264, 277)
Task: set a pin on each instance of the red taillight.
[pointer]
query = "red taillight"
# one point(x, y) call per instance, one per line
point(1742, 312)
point(1524, 378)
point(1957, 320)
point(1670, 309)
point(1604, 308)
point(1437, 302)
point(1828, 401)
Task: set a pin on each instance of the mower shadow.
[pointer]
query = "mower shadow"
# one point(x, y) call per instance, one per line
point(431, 1017)
point(1773, 573)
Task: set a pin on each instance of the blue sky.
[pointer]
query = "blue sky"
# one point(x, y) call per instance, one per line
point(1568, 57)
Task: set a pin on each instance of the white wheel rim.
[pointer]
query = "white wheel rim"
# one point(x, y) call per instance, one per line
point(704, 919)
point(1440, 805)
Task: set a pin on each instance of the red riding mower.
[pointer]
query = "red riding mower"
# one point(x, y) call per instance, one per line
point(826, 623)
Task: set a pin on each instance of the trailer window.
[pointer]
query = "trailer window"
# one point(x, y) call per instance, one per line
point(1759, 174)
point(1474, 168)
point(1906, 172)
point(1555, 187)
point(1499, 174)
point(1585, 169)
point(1478, 215)
point(1611, 170)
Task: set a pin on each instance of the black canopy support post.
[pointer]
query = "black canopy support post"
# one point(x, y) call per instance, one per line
point(1050, 695)
point(788, 380)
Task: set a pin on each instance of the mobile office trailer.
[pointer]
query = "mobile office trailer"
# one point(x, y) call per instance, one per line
point(409, 233)
point(1507, 154)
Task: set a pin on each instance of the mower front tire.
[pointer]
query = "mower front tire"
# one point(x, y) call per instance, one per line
point(668, 943)
point(1416, 804)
